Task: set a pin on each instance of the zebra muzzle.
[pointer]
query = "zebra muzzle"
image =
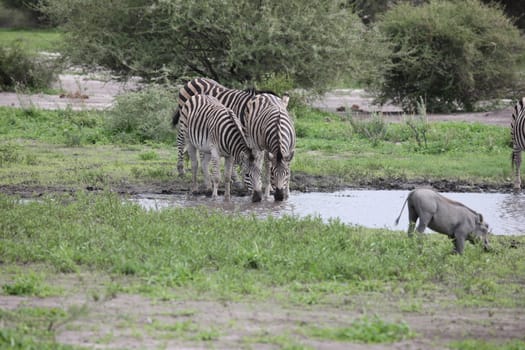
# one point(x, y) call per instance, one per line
point(256, 196)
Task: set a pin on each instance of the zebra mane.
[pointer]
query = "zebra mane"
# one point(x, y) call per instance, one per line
point(280, 153)
point(238, 124)
point(519, 112)
point(253, 91)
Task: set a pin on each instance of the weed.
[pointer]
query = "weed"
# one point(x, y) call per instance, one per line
point(30, 284)
point(374, 129)
point(366, 330)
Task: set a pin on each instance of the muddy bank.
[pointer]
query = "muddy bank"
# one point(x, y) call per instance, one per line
point(300, 182)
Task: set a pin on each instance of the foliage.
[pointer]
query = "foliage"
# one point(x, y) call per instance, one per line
point(449, 53)
point(20, 13)
point(367, 330)
point(34, 328)
point(143, 115)
point(233, 42)
point(374, 128)
point(20, 69)
point(471, 344)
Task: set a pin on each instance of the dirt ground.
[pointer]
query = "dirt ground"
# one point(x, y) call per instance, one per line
point(124, 321)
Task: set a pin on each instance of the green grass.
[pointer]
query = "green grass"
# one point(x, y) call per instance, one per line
point(33, 40)
point(206, 252)
point(366, 330)
point(33, 328)
point(41, 147)
point(197, 253)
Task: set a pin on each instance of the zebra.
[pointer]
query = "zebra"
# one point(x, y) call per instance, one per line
point(214, 130)
point(270, 131)
point(517, 133)
point(234, 99)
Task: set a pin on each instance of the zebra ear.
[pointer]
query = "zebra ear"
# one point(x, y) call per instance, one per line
point(289, 156)
point(270, 156)
point(285, 100)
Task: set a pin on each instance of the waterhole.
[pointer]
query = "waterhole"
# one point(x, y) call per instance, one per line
point(504, 212)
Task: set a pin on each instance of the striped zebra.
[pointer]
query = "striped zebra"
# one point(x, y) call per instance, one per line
point(234, 99)
point(517, 133)
point(209, 127)
point(270, 131)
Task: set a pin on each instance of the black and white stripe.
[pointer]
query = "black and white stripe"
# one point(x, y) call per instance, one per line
point(233, 99)
point(517, 132)
point(209, 127)
point(270, 131)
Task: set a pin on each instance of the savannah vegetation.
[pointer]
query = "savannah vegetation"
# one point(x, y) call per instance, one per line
point(79, 236)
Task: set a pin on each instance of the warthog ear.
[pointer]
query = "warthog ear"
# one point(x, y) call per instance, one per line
point(480, 218)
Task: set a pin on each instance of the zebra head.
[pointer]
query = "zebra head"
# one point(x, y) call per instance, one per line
point(280, 174)
point(252, 175)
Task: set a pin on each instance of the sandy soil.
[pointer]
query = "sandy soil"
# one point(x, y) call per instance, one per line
point(98, 91)
point(123, 321)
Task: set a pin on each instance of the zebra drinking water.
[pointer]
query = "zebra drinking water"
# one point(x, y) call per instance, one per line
point(214, 130)
point(270, 131)
point(234, 99)
point(517, 132)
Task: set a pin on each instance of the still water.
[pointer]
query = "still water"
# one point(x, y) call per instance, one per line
point(504, 212)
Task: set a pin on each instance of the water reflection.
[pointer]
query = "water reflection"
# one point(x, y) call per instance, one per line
point(504, 212)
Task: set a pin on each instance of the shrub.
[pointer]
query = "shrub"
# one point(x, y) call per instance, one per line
point(233, 42)
point(144, 115)
point(450, 53)
point(21, 69)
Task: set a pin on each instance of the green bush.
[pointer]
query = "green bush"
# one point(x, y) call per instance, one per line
point(234, 42)
point(144, 115)
point(449, 53)
point(20, 69)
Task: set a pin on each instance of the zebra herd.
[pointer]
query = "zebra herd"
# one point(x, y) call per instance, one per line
point(252, 128)
point(246, 127)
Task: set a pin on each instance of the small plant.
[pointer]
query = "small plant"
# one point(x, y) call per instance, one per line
point(149, 155)
point(8, 153)
point(143, 115)
point(367, 330)
point(375, 128)
point(27, 284)
point(419, 125)
point(21, 69)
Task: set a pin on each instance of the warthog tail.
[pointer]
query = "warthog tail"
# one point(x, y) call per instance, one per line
point(402, 208)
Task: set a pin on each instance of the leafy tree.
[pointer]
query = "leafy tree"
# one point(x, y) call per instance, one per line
point(236, 42)
point(30, 7)
point(450, 53)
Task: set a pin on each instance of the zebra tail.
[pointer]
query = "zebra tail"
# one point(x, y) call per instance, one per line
point(175, 118)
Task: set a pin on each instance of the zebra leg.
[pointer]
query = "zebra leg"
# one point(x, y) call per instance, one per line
point(228, 168)
point(267, 176)
point(192, 152)
point(180, 152)
point(516, 162)
point(216, 175)
point(206, 156)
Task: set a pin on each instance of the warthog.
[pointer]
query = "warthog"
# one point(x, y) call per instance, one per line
point(444, 216)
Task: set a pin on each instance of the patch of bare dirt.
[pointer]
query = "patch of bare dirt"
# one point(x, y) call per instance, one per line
point(123, 321)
